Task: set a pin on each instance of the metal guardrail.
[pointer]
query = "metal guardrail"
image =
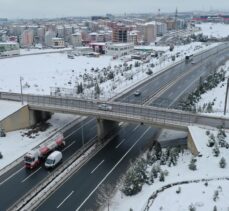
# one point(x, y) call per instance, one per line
point(20, 159)
point(19, 204)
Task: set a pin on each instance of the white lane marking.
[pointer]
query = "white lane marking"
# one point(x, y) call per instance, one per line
point(31, 175)
point(65, 199)
point(97, 167)
point(68, 146)
point(79, 128)
point(136, 128)
point(120, 143)
point(112, 169)
point(11, 176)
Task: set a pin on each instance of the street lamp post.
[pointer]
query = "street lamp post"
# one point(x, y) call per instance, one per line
point(82, 136)
point(21, 78)
point(225, 104)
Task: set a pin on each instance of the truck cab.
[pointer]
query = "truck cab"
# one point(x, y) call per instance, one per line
point(31, 159)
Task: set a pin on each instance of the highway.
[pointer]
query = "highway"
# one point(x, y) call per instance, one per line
point(106, 167)
point(25, 180)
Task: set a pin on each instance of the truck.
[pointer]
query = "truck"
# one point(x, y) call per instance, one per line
point(35, 157)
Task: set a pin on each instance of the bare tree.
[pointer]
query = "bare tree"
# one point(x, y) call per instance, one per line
point(104, 196)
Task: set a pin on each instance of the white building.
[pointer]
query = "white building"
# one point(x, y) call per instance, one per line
point(119, 49)
point(76, 39)
point(161, 28)
point(58, 42)
point(150, 32)
point(9, 49)
point(48, 38)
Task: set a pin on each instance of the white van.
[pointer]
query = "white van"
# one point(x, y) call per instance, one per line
point(53, 159)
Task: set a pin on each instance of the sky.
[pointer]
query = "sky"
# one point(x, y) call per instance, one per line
point(60, 8)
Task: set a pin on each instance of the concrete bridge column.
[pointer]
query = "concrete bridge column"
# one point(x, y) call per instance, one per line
point(105, 128)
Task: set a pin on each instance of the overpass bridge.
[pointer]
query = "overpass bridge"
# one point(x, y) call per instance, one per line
point(123, 112)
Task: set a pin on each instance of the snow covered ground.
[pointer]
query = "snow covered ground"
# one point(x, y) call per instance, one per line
point(207, 168)
point(40, 51)
point(40, 72)
point(218, 30)
point(218, 94)
point(201, 197)
point(14, 145)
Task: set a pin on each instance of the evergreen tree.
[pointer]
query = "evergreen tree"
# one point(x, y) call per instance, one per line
point(215, 208)
point(162, 177)
point(192, 165)
point(97, 89)
point(216, 195)
point(222, 163)
point(216, 151)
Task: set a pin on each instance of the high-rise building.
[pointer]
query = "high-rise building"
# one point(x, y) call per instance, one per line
point(48, 38)
point(76, 39)
point(27, 38)
point(119, 33)
point(150, 32)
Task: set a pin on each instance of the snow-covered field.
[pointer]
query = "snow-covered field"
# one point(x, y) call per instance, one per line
point(40, 72)
point(218, 30)
point(207, 168)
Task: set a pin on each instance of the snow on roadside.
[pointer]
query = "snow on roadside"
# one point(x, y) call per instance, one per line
point(40, 72)
point(40, 51)
point(14, 145)
point(207, 167)
point(217, 94)
point(197, 194)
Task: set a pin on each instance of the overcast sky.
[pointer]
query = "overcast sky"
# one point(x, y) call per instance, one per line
point(60, 8)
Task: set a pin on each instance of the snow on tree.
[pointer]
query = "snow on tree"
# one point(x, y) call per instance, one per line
point(211, 140)
point(192, 207)
point(162, 177)
point(135, 178)
point(192, 165)
point(104, 196)
point(215, 208)
point(97, 90)
point(222, 163)
point(216, 195)
point(215, 150)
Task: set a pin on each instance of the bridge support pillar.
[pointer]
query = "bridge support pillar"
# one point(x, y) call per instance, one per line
point(105, 128)
point(191, 144)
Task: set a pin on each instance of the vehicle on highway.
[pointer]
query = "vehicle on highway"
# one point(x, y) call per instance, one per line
point(137, 93)
point(36, 156)
point(188, 58)
point(53, 159)
point(105, 107)
point(193, 62)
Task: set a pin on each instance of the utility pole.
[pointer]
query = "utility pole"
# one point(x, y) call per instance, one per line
point(22, 102)
point(225, 104)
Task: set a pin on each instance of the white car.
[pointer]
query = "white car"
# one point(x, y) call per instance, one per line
point(105, 107)
point(53, 159)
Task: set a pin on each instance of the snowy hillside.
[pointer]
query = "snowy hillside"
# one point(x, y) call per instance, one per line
point(218, 30)
point(207, 168)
